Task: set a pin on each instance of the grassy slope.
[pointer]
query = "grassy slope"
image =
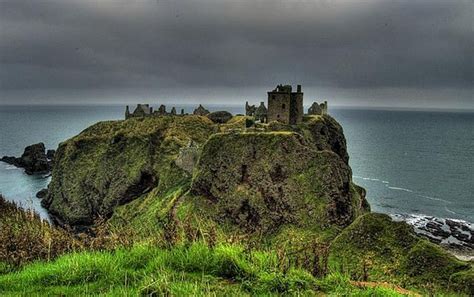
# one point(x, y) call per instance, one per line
point(184, 271)
point(376, 248)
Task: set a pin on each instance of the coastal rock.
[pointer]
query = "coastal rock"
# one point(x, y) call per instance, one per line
point(50, 154)
point(220, 117)
point(33, 159)
point(260, 181)
point(256, 180)
point(115, 162)
point(10, 160)
point(454, 234)
point(42, 193)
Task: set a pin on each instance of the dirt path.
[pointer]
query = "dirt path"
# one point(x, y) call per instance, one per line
point(384, 285)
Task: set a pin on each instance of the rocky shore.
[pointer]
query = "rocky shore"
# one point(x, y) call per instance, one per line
point(456, 236)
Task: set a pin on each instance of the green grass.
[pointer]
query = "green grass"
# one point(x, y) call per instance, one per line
point(194, 270)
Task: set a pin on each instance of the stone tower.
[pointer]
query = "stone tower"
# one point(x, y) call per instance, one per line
point(285, 106)
point(127, 112)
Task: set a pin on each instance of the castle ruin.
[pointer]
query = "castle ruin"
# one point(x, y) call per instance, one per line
point(285, 106)
point(318, 109)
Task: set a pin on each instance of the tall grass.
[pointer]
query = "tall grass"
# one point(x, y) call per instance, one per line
point(193, 270)
point(25, 237)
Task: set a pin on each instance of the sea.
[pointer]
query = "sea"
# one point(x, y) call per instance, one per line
point(413, 164)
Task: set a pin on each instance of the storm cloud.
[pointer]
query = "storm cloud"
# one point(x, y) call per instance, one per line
point(381, 53)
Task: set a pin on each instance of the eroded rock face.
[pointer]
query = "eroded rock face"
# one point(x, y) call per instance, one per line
point(327, 134)
point(260, 181)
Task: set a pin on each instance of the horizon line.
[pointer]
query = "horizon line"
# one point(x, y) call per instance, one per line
point(336, 106)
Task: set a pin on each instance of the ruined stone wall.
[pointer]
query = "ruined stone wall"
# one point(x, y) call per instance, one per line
point(279, 107)
point(296, 108)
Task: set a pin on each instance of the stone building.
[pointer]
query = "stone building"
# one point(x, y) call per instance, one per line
point(285, 106)
point(318, 109)
point(250, 109)
point(261, 113)
point(200, 110)
point(142, 110)
point(162, 110)
point(145, 110)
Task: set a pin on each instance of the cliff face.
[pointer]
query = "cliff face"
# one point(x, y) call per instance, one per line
point(256, 179)
point(112, 163)
point(263, 180)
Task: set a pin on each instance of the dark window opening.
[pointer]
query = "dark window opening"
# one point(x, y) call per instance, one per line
point(273, 97)
point(245, 176)
point(283, 106)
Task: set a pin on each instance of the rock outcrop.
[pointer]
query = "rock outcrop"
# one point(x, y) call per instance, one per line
point(254, 180)
point(261, 181)
point(34, 159)
point(42, 193)
point(113, 163)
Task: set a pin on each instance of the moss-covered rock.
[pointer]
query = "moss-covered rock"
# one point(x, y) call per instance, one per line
point(112, 163)
point(263, 180)
point(376, 248)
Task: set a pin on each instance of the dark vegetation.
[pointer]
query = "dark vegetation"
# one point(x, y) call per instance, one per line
point(25, 237)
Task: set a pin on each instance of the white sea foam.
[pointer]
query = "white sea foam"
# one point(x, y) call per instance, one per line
point(449, 210)
point(11, 167)
point(401, 189)
point(367, 178)
point(433, 198)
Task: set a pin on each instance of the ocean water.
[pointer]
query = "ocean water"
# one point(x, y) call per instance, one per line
point(410, 162)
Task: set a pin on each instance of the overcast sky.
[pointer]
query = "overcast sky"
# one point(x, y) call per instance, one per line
point(377, 53)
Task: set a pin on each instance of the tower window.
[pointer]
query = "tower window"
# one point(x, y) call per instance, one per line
point(283, 106)
point(273, 97)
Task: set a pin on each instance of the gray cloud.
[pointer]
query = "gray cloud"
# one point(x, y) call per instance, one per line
point(371, 52)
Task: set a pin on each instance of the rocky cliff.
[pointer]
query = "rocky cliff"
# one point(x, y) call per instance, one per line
point(112, 163)
point(263, 180)
point(257, 178)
